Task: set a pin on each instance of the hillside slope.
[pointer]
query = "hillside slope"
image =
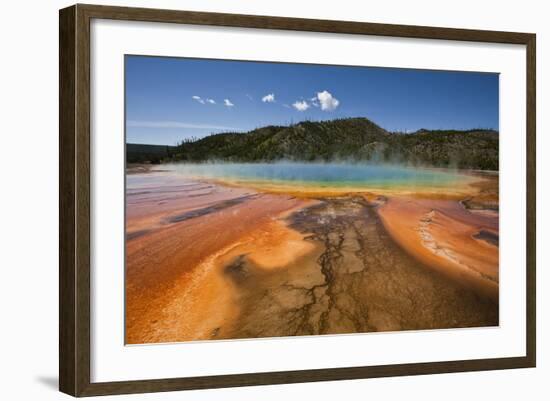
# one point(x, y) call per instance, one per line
point(353, 139)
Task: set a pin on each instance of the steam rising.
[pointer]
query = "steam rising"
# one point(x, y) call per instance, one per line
point(359, 175)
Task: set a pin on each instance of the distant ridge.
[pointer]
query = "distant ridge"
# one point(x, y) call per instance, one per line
point(141, 153)
point(350, 139)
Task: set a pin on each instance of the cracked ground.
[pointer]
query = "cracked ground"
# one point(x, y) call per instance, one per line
point(356, 280)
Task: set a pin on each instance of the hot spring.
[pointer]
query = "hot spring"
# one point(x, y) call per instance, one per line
point(337, 176)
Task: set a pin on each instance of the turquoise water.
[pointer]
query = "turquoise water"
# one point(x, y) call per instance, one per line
point(322, 174)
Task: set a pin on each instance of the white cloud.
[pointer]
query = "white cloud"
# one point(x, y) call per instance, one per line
point(176, 124)
point(314, 101)
point(228, 103)
point(211, 101)
point(198, 99)
point(327, 101)
point(269, 98)
point(300, 106)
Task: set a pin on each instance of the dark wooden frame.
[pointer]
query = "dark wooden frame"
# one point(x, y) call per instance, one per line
point(74, 202)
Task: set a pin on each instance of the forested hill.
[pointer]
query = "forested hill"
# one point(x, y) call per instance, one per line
point(353, 139)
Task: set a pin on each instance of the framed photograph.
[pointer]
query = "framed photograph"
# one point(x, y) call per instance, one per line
point(250, 200)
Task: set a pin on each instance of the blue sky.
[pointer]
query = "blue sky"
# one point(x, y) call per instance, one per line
point(170, 99)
